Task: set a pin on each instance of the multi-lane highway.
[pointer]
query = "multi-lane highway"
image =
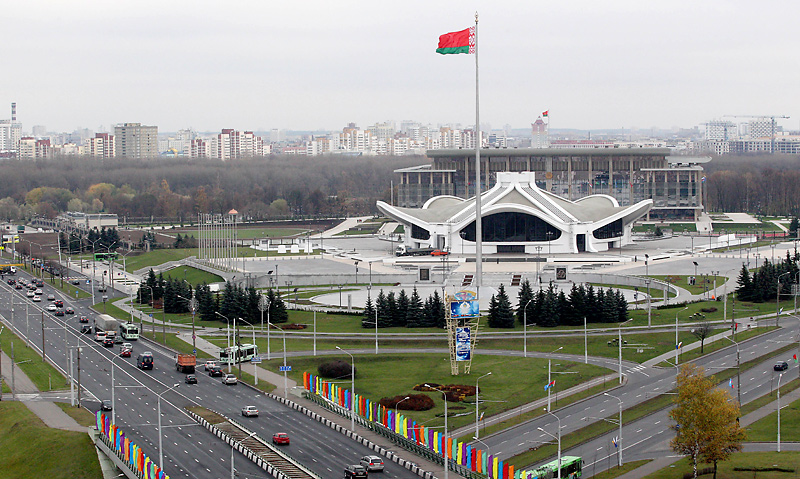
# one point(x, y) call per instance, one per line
point(189, 450)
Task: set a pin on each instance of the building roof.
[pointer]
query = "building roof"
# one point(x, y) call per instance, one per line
point(504, 152)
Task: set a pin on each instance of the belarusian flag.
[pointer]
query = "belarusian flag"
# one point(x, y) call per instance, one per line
point(544, 113)
point(457, 42)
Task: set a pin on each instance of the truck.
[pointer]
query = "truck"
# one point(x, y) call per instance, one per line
point(403, 250)
point(104, 322)
point(8, 269)
point(185, 363)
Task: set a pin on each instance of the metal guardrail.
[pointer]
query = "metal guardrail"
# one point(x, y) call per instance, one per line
point(407, 444)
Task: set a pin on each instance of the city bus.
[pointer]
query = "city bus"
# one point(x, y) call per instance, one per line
point(238, 354)
point(129, 331)
point(105, 256)
point(570, 469)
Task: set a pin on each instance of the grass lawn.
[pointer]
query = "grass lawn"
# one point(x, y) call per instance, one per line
point(618, 471)
point(764, 430)
point(79, 414)
point(742, 460)
point(703, 283)
point(502, 390)
point(28, 448)
point(769, 397)
point(28, 360)
point(193, 275)
point(744, 227)
point(675, 227)
point(742, 310)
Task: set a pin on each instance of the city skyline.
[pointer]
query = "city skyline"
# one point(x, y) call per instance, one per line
point(319, 66)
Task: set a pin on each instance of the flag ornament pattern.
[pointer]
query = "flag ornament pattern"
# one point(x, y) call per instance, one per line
point(730, 382)
point(550, 385)
point(678, 346)
point(457, 42)
point(546, 113)
point(615, 440)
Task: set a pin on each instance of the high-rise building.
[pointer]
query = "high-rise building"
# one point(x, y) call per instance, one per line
point(539, 135)
point(10, 134)
point(720, 130)
point(102, 145)
point(134, 140)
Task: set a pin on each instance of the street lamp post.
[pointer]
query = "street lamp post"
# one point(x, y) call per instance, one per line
point(647, 281)
point(113, 399)
point(778, 298)
point(398, 403)
point(677, 343)
point(255, 366)
point(160, 448)
point(376, 315)
point(525, 329)
point(446, 452)
point(477, 402)
point(558, 464)
point(233, 446)
point(738, 372)
point(619, 440)
point(779, 411)
point(285, 380)
point(352, 388)
point(228, 337)
point(549, 380)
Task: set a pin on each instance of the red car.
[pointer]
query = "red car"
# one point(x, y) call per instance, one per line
point(438, 252)
point(280, 438)
point(125, 353)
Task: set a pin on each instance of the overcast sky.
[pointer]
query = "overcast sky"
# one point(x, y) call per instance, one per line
point(302, 65)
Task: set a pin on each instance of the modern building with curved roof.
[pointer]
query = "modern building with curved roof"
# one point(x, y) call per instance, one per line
point(519, 217)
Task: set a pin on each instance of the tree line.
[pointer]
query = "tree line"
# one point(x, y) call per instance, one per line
point(234, 301)
point(404, 311)
point(259, 188)
point(762, 285)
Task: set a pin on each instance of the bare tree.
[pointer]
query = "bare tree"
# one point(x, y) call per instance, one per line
point(702, 332)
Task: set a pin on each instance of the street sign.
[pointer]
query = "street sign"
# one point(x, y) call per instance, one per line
point(194, 351)
point(285, 368)
point(151, 315)
point(255, 360)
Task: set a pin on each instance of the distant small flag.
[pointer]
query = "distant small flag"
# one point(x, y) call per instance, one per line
point(780, 311)
point(794, 356)
point(550, 385)
point(545, 113)
point(730, 382)
point(481, 419)
point(615, 440)
point(703, 179)
point(678, 346)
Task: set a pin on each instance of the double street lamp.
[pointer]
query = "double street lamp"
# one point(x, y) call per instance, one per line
point(160, 448)
point(619, 439)
point(558, 439)
point(233, 446)
point(446, 452)
point(352, 389)
point(478, 402)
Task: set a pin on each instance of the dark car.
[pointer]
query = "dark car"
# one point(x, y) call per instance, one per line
point(106, 406)
point(84, 319)
point(18, 286)
point(59, 312)
point(781, 366)
point(11, 281)
point(355, 470)
point(108, 342)
point(75, 281)
point(86, 329)
point(215, 371)
point(69, 310)
point(191, 379)
point(59, 303)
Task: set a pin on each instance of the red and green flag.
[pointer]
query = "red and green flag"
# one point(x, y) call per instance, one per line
point(457, 42)
point(546, 113)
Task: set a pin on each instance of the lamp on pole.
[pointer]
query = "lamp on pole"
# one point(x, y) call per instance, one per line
point(779, 411)
point(285, 369)
point(369, 288)
point(228, 337)
point(677, 343)
point(446, 451)
point(233, 446)
point(525, 329)
point(647, 281)
point(398, 403)
point(488, 452)
point(193, 308)
point(352, 388)
point(113, 400)
point(778, 298)
point(738, 372)
point(94, 268)
point(558, 438)
point(478, 402)
point(549, 380)
point(255, 366)
point(160, 448)
point(619, 440)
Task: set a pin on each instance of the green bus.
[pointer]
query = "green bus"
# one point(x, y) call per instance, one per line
point(570, 469)
point(105, 256)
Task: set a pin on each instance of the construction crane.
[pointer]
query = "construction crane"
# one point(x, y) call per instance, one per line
point(772, 118)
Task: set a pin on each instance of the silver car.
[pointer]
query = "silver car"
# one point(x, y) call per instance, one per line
point(229, 379)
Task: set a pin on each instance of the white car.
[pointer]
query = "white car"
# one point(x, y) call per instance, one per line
point(30, 294)
point(229, 379)
point(250, 411)
point(372, 463)
point(37, 299)
point(100, 336)
point(51, 307)
point(210, 364)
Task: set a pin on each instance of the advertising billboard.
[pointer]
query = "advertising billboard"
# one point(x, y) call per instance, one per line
point(464, 309)
point(463, 344)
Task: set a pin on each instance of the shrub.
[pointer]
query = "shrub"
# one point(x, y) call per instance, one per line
point(452, 392)
point(709, 310)
point(336, 369)
point(415, 402)
point(294, 326)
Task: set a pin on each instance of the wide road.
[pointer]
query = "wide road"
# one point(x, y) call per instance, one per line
point(189, 450)
point(644, 383)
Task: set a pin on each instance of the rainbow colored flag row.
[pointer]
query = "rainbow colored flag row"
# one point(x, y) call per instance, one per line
point(465, 455)
point(128, 451)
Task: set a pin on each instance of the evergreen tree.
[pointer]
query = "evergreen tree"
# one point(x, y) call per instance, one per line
point(503, 312)
point(610, 312)
point(402, 309)
point(525, 298)
point(577, 306)
point(590, 305)
point(622, 307)
point(253, 314)
point(277, 308)
point(745, 290)
point(550, 314)
point(438, 311)
point(391, 309)
point(493, 319)
point(563, 308)
point(368, 318)
point(427, 313)
point(382, 306)
point(206, 306)
point(793, 227)
point(537, 308)
point(414, 316)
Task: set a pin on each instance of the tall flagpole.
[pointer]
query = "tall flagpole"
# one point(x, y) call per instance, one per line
point(478, 219)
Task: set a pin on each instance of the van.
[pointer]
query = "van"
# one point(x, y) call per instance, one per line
point(145, 360)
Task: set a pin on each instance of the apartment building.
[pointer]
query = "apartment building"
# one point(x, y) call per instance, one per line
point(134, 140)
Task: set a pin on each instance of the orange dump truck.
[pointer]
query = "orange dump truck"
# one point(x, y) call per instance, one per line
point(185, 363)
